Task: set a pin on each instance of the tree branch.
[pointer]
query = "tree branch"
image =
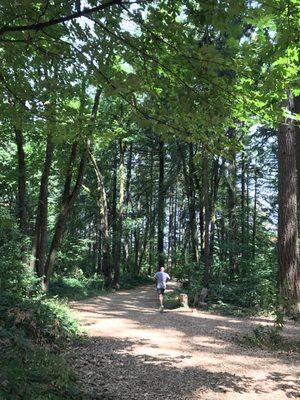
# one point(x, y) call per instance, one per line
point(55, 21)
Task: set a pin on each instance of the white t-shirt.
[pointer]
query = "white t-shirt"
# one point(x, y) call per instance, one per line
point(161, 280)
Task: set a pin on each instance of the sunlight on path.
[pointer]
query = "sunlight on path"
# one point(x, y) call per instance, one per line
point(202, 347)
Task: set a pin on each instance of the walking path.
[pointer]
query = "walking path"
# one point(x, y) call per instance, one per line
point(134, 352)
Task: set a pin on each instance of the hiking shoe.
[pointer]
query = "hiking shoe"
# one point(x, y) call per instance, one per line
point(161, 308)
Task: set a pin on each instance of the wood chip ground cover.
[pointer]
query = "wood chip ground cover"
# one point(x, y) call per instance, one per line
point(133, 352)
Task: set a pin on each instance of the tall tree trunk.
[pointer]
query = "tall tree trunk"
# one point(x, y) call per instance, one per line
point(215, 181)
point(288, 250)
point(248, 210)
point(152, 213)
point(137, 236)
point(207, 217)
point(113, 213)
point(243, 198)
point(68, 200)
point(40, 234)
point(223, 239)
point(189, 188)
point(175, 227)
point(170, 228)
point(254, 227)
point(232, 216)
point(161, 206)
point(103, 216)
point(128, 209)
point(297, 133)
point(192, 211)
point(22, 210)
point(144, 246)
point(119, 215)
point(201, 225)
point(196, 184)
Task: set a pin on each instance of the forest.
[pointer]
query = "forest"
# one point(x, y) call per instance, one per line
point(139, 134)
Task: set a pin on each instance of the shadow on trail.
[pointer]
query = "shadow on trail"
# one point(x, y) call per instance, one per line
point(107, 370)
point(140, 307)
point(134, 352)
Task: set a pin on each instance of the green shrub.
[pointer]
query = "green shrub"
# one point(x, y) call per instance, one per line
point(39, 319)
point(188, 275)
point(248, 292)
point(29, 372)
point(79, 287)
point(76, 287)
point(265, 336)
point(128, 281)
point(16, 279)
point(171, 300)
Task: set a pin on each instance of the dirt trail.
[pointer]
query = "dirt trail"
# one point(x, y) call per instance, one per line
point(136, 353)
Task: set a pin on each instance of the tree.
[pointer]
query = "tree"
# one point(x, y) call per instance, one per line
point(288, 247)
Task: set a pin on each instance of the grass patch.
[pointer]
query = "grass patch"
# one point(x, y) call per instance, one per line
point(231, 310)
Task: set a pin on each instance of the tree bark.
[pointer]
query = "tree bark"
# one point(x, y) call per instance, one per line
point(22, 209)
point(254, 227)
point(232, 216)
point(297, 133)
point(190, 192)
point(144, 246)
point(170, 228)
point(175, 227)
point(137, 236)
point(248, 210)
point(152, 213)
point(215, 181)
point(243, 198)
point(207, 218)
point(128, 209)
point(161, 207)
point(288, 250)
point(103, 216)
point(119, 215)
point(40, 235)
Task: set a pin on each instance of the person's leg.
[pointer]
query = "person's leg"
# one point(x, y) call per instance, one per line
point(161, 299)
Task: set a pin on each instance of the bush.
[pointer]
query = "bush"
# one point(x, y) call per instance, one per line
point(247, 292)
point(30, 369)
point(189, 275)
point(29, 372)
point(39, 319)
point(265, 336)
point(76, 287)
point(128, 281)
point(16, 278)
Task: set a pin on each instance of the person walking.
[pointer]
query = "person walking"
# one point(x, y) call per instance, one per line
point(161, 278)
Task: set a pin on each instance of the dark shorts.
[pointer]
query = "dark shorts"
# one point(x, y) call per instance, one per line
point(160, 291)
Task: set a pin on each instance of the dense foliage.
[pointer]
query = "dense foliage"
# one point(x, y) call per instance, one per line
point(140, 134)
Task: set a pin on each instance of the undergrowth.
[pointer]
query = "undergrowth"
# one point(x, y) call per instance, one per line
point(33, 330)
point(270, 338)
point(32, 333)
point(80, 287)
